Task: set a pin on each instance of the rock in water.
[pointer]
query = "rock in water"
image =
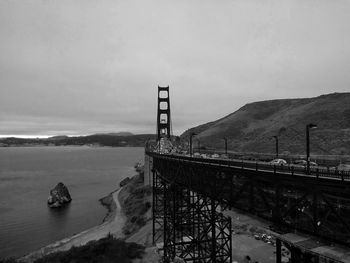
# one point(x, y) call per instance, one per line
point(59, 196)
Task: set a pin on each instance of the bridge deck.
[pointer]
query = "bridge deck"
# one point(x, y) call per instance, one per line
point(317, 203)
point(295, 170)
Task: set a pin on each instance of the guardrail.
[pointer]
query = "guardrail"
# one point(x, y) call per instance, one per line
point(291, 169)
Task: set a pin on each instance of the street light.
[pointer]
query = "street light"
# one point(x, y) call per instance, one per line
point(276, 138)
point(308, 127)
point(199, 145)
point(147, 145)
point(225, 139)
point(191, 135)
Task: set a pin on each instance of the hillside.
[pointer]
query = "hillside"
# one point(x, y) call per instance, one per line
point(116, 134)
point(250, 129)
point(94, 140)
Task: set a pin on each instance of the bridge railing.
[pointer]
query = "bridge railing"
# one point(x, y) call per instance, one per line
point(298, 170)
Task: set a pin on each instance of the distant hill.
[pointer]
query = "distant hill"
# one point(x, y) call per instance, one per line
point(91, 140)
point(116, 134)
point(59, 137)
point(250, 129)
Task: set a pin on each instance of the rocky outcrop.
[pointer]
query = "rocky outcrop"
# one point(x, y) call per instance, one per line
point(59, 196)
point(138, 167)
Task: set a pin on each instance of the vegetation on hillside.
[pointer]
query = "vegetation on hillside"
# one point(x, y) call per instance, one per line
point(252, 127)
point(105, 250)
point(8, 260)
point(135, 199)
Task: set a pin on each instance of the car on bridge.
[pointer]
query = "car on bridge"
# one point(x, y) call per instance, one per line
point(343, 167)
point(303, 163)
point(197, 155)
point(278, 162)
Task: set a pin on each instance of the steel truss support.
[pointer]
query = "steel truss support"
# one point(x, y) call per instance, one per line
point(318, 207)
point(301, 254)
point(158, 208)
point(188, 224)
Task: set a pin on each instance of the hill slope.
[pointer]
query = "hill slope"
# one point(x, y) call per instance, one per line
point(250, 129)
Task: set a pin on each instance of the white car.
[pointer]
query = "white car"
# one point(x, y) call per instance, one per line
point(303, 163)
point(278, 162)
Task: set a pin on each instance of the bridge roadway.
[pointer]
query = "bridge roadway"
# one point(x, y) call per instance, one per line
point(297, 170)
point(317, 203)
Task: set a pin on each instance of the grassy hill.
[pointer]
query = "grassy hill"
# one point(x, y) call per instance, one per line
point(250, 129)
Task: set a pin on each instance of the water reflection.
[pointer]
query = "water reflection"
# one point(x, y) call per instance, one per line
point(58, 216)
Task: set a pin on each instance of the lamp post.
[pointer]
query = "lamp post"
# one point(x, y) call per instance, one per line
point(276, 138)
point(147, 145)
point(225, 139)
point(308, 127)
point(191, 135)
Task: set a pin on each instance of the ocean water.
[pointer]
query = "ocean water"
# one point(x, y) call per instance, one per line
point(28, 173)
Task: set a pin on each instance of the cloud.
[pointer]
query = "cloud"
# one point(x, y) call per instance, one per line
point(95, 65)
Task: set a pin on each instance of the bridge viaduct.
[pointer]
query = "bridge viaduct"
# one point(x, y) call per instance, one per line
point(185, 187)
point(189, 195)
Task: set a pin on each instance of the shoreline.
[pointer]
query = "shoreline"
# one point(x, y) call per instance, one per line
point(112, 223)
point(108, 202)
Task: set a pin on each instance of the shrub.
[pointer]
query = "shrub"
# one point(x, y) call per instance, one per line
point(105, 250)
point(141, 221)
point(8, 260)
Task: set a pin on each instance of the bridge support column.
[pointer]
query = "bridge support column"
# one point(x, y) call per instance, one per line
point(213, 232)
point(278, 251)
point(188, 224)
point(158, 208)
point(148, 176)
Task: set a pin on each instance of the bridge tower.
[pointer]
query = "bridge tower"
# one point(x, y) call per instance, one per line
point(163, 114)
point(164, 131)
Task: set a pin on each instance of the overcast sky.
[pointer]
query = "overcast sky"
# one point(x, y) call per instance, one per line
point(81, 66)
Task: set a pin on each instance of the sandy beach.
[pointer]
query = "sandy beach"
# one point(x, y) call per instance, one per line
point(112, 223)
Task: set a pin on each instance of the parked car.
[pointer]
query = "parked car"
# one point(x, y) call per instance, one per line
point(278, 162)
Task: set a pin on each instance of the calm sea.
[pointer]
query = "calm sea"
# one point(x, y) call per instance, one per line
point(28, 173)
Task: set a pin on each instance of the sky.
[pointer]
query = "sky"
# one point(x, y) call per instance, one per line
point(90, 66)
